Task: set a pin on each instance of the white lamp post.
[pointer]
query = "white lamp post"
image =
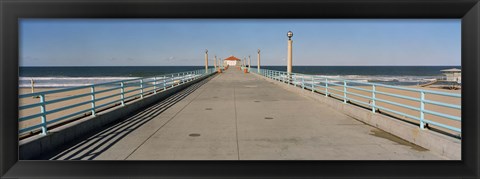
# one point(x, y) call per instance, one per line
point(249, 63)
point(258, 61)
point(289, 53)
point(206, 61)
point(215, 62)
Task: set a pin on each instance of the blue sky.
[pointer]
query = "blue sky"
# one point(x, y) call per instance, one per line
point(166, 42)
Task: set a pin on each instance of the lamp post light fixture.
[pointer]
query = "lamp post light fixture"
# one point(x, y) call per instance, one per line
point(289, 53)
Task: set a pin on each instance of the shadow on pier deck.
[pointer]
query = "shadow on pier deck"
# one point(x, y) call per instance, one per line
point(237, 116)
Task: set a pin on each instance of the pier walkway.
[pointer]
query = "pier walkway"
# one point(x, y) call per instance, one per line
point(238, 116)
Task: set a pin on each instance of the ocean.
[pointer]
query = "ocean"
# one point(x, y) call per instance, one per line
point(53, 77)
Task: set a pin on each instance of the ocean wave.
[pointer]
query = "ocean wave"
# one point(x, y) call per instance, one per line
point(389, 80)
point(61, 82)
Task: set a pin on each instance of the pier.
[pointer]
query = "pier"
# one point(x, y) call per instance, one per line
point(240, 113)
point(244, 116)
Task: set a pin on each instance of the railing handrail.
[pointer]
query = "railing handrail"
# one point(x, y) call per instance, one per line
point(97, 84)
point(384, 85)
point(165, 79)
point(309, 82)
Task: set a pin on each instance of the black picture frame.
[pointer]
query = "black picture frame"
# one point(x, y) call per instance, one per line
point(13, 10)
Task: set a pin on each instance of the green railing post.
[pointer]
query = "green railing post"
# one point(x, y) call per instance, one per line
point(313, 85)
point(287, 77)
point(373, 98)
point(422, 108)
point(122, 93)
point(44, 117)
point(344, 91)
point(294, 80)
point(154, 85)
point(303, 81)
point(164, 83)
point(92, 90)
point(326, 87)
point(141, 88)
point(183, 78)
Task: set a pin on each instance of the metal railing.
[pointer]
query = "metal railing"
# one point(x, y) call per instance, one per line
point(345, 90)
point(127, 90)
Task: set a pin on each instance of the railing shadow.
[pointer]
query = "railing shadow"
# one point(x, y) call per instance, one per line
point(91, 146)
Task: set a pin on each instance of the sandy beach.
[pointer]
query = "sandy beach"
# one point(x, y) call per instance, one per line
point(445, 110)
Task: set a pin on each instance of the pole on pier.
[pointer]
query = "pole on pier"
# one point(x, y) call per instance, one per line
point(258, 61)
point(215, 62)
point(289, 56)
point(220, 62)
point(206, 61)
point(249, 63)
point(289, 53)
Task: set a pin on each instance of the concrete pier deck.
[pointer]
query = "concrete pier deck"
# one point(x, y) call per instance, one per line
point(237, 116)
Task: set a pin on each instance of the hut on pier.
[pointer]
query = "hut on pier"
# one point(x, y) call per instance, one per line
point(231, 61)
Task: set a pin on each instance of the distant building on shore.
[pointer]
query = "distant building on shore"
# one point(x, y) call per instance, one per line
point(231, 61)
point(452, 75)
